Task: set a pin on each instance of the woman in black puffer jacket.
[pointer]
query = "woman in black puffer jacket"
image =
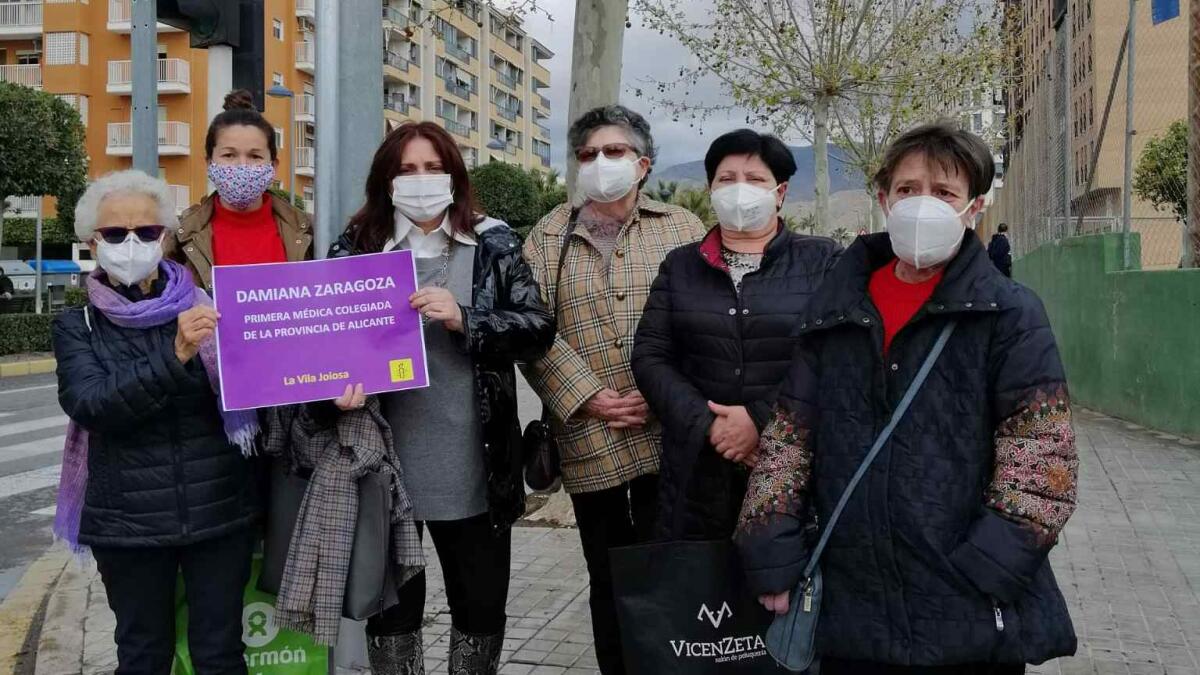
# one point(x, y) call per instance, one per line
point(167, 486)
point(716, 335)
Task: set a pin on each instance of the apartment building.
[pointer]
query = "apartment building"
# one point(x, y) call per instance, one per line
point(470, 69)
point(1051, 145)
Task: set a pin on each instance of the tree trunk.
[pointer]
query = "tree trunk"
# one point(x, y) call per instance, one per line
point(878, 219)
point(821, 161)
point(595, 62)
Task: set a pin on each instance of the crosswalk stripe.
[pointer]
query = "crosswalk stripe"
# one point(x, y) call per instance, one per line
point(24, 389)
point(32, 448)
point(14, 428)
point(49, 511)
point(20, 483)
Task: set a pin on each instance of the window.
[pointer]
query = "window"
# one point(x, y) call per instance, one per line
point(277, 29)
point(277, 79)
point(977, 122)
point(278, 137)
point(83, 49)
point(79, 103)
point(29, 58)
point(61, 48)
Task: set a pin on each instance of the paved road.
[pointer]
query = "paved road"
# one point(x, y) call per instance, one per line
point(32, 429)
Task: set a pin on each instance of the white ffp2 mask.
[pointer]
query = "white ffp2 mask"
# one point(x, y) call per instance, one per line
point(422, 198)
point(606, 180)
point(925, 231)
point(131, 261)
point(742, 207)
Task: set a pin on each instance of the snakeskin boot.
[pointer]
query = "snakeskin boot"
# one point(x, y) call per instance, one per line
point(474, 654)
point(396, 654)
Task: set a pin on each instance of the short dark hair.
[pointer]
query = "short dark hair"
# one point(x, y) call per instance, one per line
point(949, 146)
point(239, 111)
point(1003, 228)
point(772, 151)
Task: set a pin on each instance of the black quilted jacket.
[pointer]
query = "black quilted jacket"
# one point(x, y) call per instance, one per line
point(160, 470)
point(940, 557)
point(505, 322)
point(698, 341)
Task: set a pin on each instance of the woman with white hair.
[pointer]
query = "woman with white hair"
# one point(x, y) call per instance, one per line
point(154, 477)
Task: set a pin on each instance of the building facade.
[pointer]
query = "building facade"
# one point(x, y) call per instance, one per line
point(469, 68)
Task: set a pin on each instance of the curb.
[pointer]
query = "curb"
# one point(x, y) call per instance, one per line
point(24, 603)
point(31, 367)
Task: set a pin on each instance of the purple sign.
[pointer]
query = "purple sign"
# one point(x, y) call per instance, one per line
point(298, 332)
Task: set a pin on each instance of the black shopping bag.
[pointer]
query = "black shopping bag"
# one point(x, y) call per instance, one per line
point(684, 608)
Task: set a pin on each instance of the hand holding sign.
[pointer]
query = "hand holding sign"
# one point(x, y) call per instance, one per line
point(195, 325)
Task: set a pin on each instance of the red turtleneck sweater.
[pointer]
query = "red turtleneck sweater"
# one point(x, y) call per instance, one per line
point(246, 237)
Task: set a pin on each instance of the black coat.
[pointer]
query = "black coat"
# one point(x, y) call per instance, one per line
point(160, 469)
point(1000, 251)
point(922, 558)
point(505, 322)
point(699, 341)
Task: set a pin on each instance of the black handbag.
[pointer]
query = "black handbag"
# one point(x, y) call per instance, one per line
point(370, 583)
point(543, 469)
point(792, 638)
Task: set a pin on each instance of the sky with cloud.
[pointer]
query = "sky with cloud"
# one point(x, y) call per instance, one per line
point(648, 57)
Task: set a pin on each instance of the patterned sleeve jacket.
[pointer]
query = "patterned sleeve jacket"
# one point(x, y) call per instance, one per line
point(941, 554)
point(597, 311)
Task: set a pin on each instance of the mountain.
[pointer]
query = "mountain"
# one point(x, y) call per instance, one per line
point(800, 188)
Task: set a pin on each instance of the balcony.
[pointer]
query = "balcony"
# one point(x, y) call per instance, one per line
point(545, 160)
point(509, 114)
point(174, 77)
point(306, 162)
point(396, 103)
point(174, 138)
point(458, 52)
point(543, 101)
point(27, 76)
point(456, 127)
point(306, 9)
point(458, 89)
point(120, 18)
point(394, 18)
point(20, 20)
point(396, 61)
point(306, 57)
point(306, 109)
point(181, 195)
point(22, 207)
point(507, 79)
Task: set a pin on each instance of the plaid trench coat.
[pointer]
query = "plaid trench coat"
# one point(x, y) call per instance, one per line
point(597, 316)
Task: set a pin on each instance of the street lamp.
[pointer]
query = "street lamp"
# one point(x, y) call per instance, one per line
point(280, 91)
point(497, 143)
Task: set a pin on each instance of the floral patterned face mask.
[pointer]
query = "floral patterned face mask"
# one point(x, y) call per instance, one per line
point(240, 184)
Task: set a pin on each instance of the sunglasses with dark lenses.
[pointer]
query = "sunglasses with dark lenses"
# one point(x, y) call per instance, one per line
point(611, 150)
point(117, 235)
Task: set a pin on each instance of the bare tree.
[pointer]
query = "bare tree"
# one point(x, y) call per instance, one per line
point(855, 72)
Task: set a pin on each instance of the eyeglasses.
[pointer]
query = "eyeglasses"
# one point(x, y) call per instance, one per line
point(117, 235)
point(587, 153)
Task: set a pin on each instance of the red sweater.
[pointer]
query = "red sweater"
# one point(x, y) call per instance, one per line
point(898, 301)
point(244, 238)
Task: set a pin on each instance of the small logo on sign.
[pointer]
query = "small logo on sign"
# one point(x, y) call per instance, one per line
point(718, 617)
point(258, 625)
point(402, 370)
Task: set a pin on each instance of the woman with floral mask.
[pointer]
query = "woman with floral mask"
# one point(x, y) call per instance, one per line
point(154, 475)
point(594, 260)
point(715, 337)
point(458, 442)
point(240, 223)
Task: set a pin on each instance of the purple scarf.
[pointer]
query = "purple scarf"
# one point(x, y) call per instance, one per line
point(179, 295)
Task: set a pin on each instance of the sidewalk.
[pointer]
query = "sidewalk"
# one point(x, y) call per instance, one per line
point(1128, 564)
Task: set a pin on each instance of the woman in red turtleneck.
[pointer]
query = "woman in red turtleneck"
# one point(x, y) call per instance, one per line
point(240, 223)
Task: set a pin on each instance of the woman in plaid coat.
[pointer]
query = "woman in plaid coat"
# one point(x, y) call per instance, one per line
point(611, 240)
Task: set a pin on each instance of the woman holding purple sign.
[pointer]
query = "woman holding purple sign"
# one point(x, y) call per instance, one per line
point(155, 478)
point(458, 441)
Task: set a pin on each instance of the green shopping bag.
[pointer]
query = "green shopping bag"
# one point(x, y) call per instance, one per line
point(270, 650)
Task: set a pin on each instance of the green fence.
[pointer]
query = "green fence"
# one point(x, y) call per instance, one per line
point(1130, 340)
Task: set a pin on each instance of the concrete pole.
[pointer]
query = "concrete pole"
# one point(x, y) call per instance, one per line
point(144, 118)
point(595, 62)
point(37, 283)
point(220, 83)
point(291, 139)
point(1127, 184)
point(1068, 82)
point(1191, 231)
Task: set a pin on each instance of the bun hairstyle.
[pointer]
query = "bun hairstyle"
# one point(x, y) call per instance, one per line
point(239, 111)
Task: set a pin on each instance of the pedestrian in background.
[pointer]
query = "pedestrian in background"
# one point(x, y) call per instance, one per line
point(715, 337)
point(458, 441)
point(608, 244)
point(1000, 251)
point(939, 562)
point(167, 486)
point(240, 223)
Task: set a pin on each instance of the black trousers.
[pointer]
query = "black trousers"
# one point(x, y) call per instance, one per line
point(847, 667)
point(140, 583)
point(475, 566)
point(620, 516)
